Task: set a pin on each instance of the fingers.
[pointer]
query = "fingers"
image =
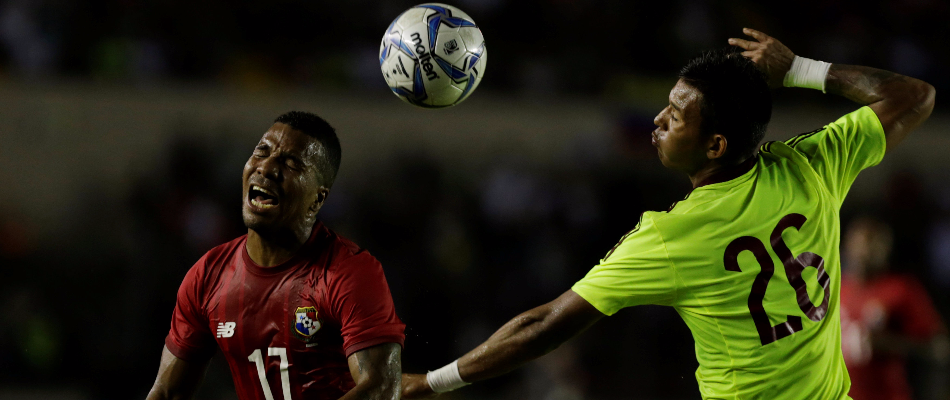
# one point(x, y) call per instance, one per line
point(755, 56)
point(755, 34)
point(760, 39)
point(745, 44)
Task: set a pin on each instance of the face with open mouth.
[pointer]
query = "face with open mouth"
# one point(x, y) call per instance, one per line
point(262, 199)
point(282, 187)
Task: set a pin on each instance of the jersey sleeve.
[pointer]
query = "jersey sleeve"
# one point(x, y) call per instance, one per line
point(190, 337)
point(361, 301)
point(842, 149)
point(636, 271)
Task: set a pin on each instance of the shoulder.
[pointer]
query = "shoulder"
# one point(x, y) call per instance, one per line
point(794, 156)
point(342, 245)
point(859, 126)
point(686, 212)
point(215, 260)
point(635, 240)
point(648, 219)
point(224, 251)
point(353, 275)
point(646, 225)
point(346, 257)
point(863, 118)
point(776, 152)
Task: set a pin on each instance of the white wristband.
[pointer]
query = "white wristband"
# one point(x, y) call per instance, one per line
point(446, 378)
point(807, 73)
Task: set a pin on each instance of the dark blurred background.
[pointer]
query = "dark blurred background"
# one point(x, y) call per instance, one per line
point(124, 126)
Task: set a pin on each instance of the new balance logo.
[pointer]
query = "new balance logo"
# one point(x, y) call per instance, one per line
point(226, 329)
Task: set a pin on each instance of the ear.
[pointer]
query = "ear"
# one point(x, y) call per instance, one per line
point(322, 193)
point(716, 147)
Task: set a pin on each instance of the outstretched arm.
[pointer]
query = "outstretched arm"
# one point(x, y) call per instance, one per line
point(377, 372)
point(901, 103)
point(530, 335)
point(177, 379)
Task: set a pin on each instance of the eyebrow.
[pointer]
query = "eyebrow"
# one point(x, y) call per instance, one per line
point(675, 107)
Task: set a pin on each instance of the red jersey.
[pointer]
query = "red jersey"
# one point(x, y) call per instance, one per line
point(286, 330)
point(896, 304)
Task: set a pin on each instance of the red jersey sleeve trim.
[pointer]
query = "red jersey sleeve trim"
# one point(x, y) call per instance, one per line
point(185, 353)
point(379, 334)
point(398, 339)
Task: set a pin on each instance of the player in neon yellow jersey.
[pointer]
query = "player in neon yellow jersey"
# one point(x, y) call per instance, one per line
point(750, 258)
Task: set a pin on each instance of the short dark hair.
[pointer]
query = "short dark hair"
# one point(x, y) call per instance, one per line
point(319, 129)
point(736, 102)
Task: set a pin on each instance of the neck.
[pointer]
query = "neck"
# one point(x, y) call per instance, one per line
point(704, 173)
point(269, 249)
point(714, 172)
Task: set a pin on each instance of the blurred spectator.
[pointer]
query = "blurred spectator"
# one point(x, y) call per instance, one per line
point(886, 317)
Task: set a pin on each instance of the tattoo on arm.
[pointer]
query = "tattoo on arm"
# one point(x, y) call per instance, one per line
point(863, 85)
point(900, 102)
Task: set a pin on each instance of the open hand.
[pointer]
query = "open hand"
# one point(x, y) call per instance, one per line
point(770, 55)
point(415, 386)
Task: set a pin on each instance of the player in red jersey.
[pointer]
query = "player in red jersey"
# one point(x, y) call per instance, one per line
point(886, 317)
point(298, 311)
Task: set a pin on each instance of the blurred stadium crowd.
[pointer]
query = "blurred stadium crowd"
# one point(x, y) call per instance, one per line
point(84, 315)
point(549, 46)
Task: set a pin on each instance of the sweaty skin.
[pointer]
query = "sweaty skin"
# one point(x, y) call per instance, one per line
point(377, 372)
point(901, 103)
point(283, 163)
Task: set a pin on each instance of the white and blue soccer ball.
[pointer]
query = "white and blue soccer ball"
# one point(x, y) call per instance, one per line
point(433, 55)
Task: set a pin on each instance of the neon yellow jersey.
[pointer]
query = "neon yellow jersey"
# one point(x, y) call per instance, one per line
point(751, 263)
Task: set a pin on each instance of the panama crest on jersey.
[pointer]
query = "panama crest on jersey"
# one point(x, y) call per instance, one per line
point(306, 324)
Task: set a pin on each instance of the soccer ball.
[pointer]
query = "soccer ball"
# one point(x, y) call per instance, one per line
point(433, 55)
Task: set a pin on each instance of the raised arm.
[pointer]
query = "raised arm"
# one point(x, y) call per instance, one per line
point(377, 372)
point(530, 335)
point(177, 379)
point(901, 103)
